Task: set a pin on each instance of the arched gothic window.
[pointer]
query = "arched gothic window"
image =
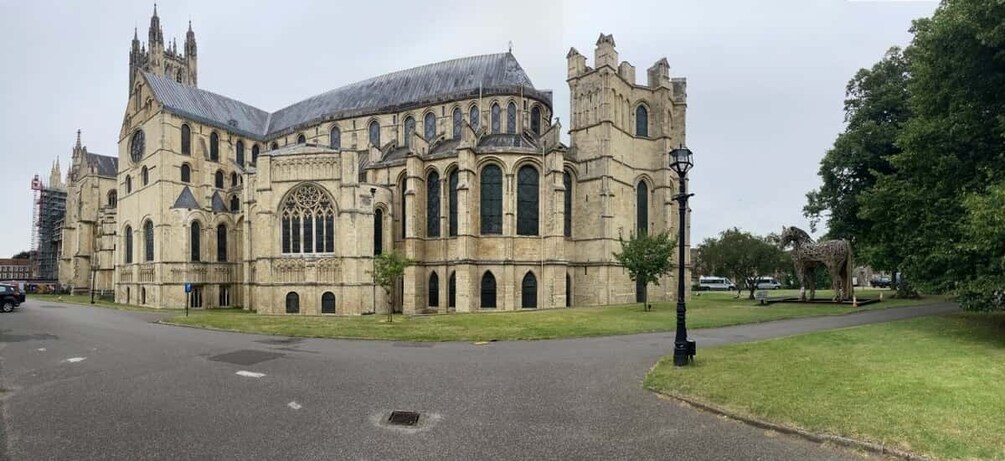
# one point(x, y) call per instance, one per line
point(452, 290)
point(511, 118)
point(240, 152)
point(434, 290)
point(145, 174)
point(308, 221)
point(195, 241)
point(458, 120)
point(375, 134)
point(136, 146)
point(186, 173)
point(409, 129)
point(233, 179)
point(491, 200)
point(328, 303)
point(218, 179)
point(528, 291)
point(527, 200)
point(186, 140)
point(214, 147)
point(495, 118)
point(433, 205)
point(488, 290)
point(378, 231)
point(335, 142)
point(301, 139)
point(474, 117)
point(642, 207)
point(113, 198)
point(221, 243)
point(129, 244)
point(275, 145)
point(567, 180)
point(254, 154)
point(535, 119)
point(452, 202)
point(429, 126)
point(148, 241)
point(129, 184)
point(292, 303)
point(641, 121)
point(235, 204)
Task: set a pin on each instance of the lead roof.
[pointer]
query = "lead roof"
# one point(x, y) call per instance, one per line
point(455, 79)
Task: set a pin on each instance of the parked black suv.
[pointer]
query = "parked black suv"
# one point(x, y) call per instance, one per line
point(9, 298)
point(880, 282)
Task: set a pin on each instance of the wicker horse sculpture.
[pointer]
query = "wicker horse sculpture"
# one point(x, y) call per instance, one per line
point(807, 256)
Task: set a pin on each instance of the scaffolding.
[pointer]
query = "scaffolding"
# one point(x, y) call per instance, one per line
point(47, 221)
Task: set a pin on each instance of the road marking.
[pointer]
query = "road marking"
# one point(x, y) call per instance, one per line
point(41, 349)
point(294, 405)
point(76, 359)
point(250, 374)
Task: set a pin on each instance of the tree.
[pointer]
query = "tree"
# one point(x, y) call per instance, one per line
point(985, 234)
point(742, 256)
point(876, 108)
point(388, 267)
point(23, 255)
point(951, 146)
point(647, 258)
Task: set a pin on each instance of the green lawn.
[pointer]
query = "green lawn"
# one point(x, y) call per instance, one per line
point(933, 385)
point(705, 311)
point(85, 299)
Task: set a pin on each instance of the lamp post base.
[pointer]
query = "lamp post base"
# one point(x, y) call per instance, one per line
point(683, 353)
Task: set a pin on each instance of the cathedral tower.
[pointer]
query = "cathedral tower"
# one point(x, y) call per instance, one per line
point(157, 57)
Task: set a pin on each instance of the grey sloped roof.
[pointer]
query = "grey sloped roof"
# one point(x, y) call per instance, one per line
point(506, 140)
point(420, 86)
point(186, 200)
point(218, 205)
point(209, 108)
point(103, 164)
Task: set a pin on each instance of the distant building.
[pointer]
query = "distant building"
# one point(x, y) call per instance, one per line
point(15, 269)
point(49, 207)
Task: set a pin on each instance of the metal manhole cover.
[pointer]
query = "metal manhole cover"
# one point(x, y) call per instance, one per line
point(403, 418)
point(245, 357)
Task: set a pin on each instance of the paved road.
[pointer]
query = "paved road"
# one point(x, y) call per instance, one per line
point(91, 383)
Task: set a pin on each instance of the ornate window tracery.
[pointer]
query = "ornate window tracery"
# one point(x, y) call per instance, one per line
point(491, 200)
point(495, 118)
point(308, 221)
point(136, 146)
point(375, 134)
point(429, 126)
point(433, 205)
point(511, 118)
point(409, 129)
point(528, 200)
point(458, 119)
point(474, 116)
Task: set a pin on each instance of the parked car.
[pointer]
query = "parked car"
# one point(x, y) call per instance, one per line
point(768, 283)
point(880, 282)
point(9, 298)
point(17, 288)
point(707, 283)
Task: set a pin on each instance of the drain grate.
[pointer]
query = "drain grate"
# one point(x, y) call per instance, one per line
point(403, 418)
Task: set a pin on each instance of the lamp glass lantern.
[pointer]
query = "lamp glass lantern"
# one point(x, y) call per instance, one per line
point(681, 160)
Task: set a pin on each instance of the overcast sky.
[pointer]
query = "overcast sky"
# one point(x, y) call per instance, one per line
point(766, 78)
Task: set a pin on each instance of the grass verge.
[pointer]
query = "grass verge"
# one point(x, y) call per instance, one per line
point(86, 300)
point(932, 385)
point(705, 311)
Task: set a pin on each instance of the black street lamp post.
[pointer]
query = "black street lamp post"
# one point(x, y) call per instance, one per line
point(683, 349)
point(373, 259)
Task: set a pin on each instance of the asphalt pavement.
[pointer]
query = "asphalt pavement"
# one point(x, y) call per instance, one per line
point(92, 383)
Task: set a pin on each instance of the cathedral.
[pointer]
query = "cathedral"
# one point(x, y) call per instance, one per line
point(458, 165)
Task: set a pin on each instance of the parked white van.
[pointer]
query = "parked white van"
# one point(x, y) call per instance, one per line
point(711, 282)
point(768, 283)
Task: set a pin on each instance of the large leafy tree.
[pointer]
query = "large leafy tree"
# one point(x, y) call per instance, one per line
point(876, 107)
point(742, 256)
point(646, 257)
point(953, 145)
point(985, 234)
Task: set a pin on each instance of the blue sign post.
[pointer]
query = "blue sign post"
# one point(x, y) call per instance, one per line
point(188, 289)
